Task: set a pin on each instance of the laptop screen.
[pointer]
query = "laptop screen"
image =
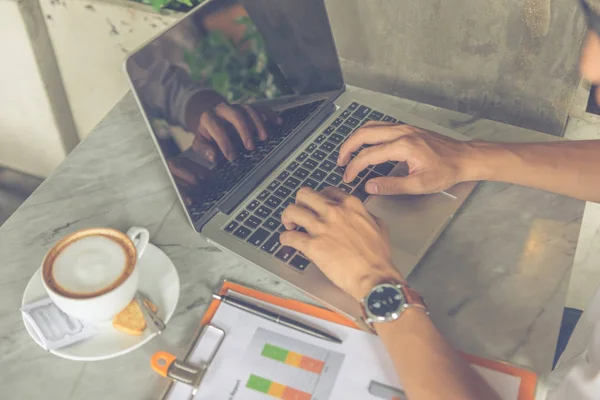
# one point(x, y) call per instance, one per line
point(225, 86)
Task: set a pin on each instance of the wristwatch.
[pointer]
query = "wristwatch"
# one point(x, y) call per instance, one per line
point(387, 301)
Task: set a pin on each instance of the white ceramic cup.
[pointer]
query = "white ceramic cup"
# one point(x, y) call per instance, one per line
point(91, 274)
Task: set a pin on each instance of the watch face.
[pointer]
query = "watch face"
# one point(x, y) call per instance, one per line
point(384, 301)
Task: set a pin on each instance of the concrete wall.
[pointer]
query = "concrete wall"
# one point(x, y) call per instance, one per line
point(512, 61)
point(91, 39)
point(36, 128)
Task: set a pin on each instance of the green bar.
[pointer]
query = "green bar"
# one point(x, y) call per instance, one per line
point(259, 384)
point(274, 352)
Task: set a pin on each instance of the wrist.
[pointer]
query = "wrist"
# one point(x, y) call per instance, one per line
point(483, 161)
point(363, 286)
point(410, 319)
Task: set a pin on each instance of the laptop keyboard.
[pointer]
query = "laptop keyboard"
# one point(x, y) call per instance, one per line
point(316, 167)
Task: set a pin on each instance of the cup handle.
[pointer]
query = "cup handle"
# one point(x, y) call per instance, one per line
point(140, 238)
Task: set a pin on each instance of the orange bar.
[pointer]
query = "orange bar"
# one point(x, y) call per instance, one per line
point(293, 394)
point(311, 364)
point(276, 390)
point(293, 359)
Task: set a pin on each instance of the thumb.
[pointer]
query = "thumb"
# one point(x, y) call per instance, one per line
point(204, 148)
point(410, 184)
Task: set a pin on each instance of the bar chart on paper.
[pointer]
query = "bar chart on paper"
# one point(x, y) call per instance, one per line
point(292, 358)
point(275, 389)
point(279, 367)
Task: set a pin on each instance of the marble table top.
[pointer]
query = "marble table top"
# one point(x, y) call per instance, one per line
point(495, 281)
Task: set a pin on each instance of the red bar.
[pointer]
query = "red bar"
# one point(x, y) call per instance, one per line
point(293, 394)
point(311, 364)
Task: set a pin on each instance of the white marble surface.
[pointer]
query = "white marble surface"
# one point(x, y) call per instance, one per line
point(495, 281)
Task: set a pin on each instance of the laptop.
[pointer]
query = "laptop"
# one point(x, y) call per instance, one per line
point(273, 65)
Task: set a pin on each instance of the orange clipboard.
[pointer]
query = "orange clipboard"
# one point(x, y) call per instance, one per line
point(527, 387)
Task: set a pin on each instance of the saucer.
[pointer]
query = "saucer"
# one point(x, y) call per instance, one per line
point(158, 280)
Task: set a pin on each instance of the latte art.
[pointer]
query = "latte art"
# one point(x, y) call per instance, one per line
point(90, 264)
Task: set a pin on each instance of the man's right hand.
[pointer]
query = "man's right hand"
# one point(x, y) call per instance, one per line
point(342, 238)
point(435, 162)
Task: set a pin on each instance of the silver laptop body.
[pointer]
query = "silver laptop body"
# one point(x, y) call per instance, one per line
point(415, 222)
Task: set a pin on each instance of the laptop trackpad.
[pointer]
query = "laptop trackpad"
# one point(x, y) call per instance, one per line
point(414, 221)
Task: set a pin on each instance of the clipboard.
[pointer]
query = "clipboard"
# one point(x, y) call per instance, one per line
point(209, 338)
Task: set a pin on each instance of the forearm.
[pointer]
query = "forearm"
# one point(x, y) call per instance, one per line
point(427, 365)
point(570, 168)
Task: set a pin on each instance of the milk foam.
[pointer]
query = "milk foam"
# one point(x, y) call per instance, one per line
point(89, 265)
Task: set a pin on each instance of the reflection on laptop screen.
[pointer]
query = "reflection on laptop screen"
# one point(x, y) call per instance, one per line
point(227, 85)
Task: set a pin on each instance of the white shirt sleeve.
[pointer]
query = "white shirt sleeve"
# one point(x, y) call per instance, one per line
point(575, 352)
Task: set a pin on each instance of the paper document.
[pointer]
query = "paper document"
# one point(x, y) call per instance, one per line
point(261, 360)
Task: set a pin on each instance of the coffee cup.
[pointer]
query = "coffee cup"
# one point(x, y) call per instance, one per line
point(91, 274)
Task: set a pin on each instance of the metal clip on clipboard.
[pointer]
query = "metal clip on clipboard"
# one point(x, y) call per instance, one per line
point(191, 371)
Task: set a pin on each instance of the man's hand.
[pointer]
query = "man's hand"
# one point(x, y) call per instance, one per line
point(435, 162)
point(211, 133)
point(352, 249)
point(347, 243)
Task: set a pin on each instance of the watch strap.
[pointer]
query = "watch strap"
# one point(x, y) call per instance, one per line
point(412, 297)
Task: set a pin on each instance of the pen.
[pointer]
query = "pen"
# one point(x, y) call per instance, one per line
point(277, 318)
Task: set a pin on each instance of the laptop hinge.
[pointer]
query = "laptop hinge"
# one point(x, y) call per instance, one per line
point(239, 193)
